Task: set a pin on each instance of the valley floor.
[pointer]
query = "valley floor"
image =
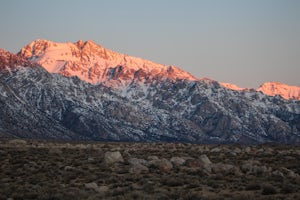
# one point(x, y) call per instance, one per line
point(58, 170)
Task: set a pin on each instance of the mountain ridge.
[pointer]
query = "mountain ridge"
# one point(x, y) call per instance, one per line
point(151, 109)
point(95, 64)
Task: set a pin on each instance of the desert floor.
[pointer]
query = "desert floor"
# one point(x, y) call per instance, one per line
point(61, 170)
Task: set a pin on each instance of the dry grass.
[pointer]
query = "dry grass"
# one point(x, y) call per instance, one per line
point(45, 170)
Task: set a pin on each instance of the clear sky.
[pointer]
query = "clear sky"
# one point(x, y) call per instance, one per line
point(245, 42)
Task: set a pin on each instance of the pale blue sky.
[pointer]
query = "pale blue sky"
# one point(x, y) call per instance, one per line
point(245, 42)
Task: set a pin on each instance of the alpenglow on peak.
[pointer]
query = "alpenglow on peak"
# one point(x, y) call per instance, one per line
point(95, 64)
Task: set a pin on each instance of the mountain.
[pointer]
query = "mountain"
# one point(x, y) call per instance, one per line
point(95, 64)
point(275, 88)
point(93, 94)
point(58, 107)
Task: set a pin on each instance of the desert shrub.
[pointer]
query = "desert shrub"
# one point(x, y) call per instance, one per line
point(286, 189)
point(136, 195)
point(193, 184)
point(148, 187)
point(2, 196)
point(253, 186)
point(172, 182)
point(119, 191)
point(268, 190)
point(194, 196)
point(213, 184)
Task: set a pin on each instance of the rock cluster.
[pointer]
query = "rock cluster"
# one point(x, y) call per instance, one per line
point(201, 163)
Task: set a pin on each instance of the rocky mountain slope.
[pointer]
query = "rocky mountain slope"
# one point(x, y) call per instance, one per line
point(96, 94)
point(18, 117)
point(92, 112)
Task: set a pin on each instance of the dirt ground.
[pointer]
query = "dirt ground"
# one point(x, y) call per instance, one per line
point(60, 170)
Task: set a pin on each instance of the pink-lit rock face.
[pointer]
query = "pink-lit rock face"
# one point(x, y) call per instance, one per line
point(275, 88)
point(272, 89)
point(231, 86)
point(96, 64)
point(10, 61)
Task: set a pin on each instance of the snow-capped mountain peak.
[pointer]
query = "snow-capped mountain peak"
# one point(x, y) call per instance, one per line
point(96, 64)
point(275, 88)
point(271, 89)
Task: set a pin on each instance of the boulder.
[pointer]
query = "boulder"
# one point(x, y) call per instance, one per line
point(113, 157)
point(205, 167)
point(194, 163)
point(163, 165)
point(216, 150)
point(224, 169)
point(91, 185)
point(277, 173)
point(69, 168)
point(134, 161)
point(177, 161)
point(138, 168)
point(205, 160)
point(258, 170)
point(237, 150)
point(289, 173)
point(153, 158)
point(248, 164)
point(94, 186)
point(247, 150)
point(254, 167)
point(103, 189)
point(17, 142)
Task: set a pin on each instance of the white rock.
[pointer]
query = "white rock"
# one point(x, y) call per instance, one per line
point(94, 186)
point(17, 142)
point(103, 188)
point(113, 157)
point(91, 185)
point(178, 161)
point(205, 159)
point(153, 158)
point(216, 150)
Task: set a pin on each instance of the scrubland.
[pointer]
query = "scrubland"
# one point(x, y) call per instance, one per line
point(61, 170)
